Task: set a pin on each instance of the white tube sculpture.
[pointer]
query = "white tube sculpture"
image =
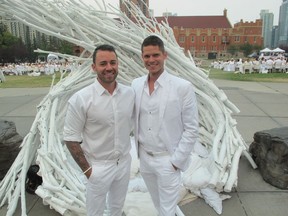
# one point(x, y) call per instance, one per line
point(87, 26)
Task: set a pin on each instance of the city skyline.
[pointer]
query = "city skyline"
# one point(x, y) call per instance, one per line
point(236, 10)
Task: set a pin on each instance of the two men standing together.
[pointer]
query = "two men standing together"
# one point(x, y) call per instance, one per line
point(99, 121)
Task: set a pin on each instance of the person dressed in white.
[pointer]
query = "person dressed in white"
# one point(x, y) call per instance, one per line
point(239, 65)
point(263, 68)
point(226, 66)
point(166, 126)
point(2, 77)
point(232, 65)
point(278, 64)
point(97, 131)
point(269, 65)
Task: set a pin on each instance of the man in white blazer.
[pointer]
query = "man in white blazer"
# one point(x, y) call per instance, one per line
point(166, 126)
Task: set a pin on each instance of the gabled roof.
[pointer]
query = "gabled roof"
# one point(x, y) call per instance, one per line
point(196, 21)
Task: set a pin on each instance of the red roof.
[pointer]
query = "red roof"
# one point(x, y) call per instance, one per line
point(196, 21)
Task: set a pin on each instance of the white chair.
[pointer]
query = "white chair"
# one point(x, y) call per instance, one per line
point(256, 66)
point(278, 65)
point(269, 65)
point(247, 66)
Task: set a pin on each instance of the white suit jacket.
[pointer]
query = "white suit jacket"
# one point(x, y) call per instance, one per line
point(178, 117)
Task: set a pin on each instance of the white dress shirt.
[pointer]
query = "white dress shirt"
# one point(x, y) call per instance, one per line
point(149, 116)
point(101, 121)
point(176, 125)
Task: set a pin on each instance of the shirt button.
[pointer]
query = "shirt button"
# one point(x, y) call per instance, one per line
point(117, 154)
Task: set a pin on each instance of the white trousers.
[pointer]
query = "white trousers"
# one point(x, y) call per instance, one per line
point(162, 181)
point(109, 178)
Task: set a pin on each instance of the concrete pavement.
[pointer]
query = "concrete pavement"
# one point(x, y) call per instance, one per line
point(263, 106)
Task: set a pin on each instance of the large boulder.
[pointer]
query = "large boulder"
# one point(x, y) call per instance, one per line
point(10, 141)
point(270, 152)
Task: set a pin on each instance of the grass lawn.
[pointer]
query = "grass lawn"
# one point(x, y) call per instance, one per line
point(26, 81)
point(254, 77)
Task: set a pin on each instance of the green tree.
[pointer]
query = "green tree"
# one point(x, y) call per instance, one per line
point(246, 49)
point(232, 49)
point(257, 48)
point(12, 48)
point(29, 46)
point(43, 43)
point(284, 47)
point(66, 48)
point(8, 40)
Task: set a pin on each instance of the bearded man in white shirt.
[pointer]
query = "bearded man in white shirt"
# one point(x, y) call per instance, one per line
point(166, 126)
point(97, 131)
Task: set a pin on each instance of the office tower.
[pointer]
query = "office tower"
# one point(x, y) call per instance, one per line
point(283, 24)
point(267, 20)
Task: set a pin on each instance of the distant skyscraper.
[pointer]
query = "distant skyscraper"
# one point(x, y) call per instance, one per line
point(267, 19)
point(275, 36)
point(283, 24)
point(19, 30)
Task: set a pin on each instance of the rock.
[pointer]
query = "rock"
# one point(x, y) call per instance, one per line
point(10, 142)
point(270, 152)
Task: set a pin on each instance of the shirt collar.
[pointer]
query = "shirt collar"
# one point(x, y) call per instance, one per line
point(101, 90)
point(161, 79)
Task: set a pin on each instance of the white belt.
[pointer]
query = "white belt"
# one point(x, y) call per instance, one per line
point(108, 161)
point(154, 154)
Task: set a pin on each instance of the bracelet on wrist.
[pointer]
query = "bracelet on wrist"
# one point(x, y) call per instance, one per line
point(87, 170)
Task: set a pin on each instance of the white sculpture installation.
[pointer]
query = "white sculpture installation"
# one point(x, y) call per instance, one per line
point(87, 26)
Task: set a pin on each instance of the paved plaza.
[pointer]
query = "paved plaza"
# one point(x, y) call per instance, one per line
point(263, 106)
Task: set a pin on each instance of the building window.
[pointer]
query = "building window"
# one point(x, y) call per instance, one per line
point(181, 39)
point(255, 39)
point(224, 39)
point(192, 39)
point(237, 38)
point(214, 38)
point(203, 38)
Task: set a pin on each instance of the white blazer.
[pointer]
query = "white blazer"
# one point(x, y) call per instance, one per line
point(178, 117)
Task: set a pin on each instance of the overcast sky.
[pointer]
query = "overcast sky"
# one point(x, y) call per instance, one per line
point(248, 10)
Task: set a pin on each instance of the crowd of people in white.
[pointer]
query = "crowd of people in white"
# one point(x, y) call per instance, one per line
point(44, 68)
point(35, 69)
point(263, 64)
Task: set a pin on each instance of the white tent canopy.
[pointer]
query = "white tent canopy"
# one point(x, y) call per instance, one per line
point(52, 57)
point(278, 50)
point(265, 50)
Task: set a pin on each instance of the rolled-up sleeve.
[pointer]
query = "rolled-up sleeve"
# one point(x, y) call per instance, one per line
point(74, 120)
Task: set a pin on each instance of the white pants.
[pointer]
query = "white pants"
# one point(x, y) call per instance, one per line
point(162, 181)
point(108, 178)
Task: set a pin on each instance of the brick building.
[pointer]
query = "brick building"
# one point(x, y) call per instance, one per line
point(247, 32)
point(204, 36)
point(143, 5)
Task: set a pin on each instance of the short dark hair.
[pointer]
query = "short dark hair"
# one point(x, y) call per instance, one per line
point(154, 41)
point(103, 47)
